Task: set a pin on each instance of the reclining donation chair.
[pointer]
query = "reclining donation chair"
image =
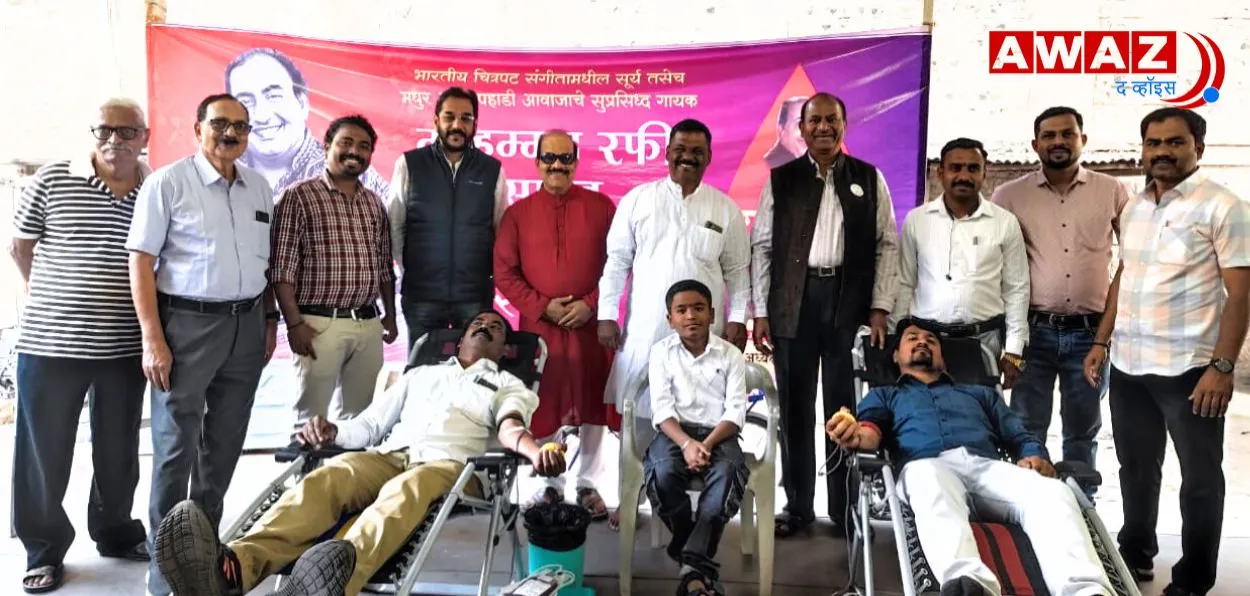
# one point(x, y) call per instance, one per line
point(525, 357)
point(758, 500)
point(1004, 547)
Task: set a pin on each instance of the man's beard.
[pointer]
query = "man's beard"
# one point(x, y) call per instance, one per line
point(923, 360)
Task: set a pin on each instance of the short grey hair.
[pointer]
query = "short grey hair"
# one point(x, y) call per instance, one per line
point(127, 104)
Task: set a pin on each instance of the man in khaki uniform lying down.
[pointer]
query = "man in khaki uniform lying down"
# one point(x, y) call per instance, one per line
point(456, 406)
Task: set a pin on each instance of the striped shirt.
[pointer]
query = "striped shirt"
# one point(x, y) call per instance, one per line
point(1171, 292)
point(335, 249)
point(79, 305)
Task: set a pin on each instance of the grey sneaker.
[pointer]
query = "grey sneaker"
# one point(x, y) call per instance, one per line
point(189, 556)
point(322, 570)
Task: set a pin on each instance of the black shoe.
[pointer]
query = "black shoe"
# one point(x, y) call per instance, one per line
point(138, 552)
point(322, 570)
point(964, 586)
point(1142, 571)
point(1175, 590)
point(189, 556)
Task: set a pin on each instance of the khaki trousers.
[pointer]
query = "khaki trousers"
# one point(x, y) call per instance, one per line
point(392, 498)
point(349, 355)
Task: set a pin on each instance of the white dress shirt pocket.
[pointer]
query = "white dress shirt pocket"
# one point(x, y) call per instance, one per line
point(706, 244)
point(1176, 244)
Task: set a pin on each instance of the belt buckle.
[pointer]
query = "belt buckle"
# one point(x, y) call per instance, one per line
point(236, 309)
point(825, 271)
point(355, 315)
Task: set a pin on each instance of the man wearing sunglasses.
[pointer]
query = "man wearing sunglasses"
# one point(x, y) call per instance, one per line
point(199, 254)
point(79, 335)
point(445, 203)
point(550, 272)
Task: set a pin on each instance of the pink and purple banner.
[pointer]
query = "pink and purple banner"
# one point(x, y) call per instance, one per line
point(618, 104)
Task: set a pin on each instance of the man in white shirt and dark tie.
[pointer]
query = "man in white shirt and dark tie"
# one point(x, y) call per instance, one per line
point(698, 392)
point(963, 268)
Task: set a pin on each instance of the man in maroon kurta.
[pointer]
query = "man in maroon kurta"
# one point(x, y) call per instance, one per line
point(549, 255)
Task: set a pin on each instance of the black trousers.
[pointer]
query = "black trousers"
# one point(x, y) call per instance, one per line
point(666, 479)
point(50, 393)
point(1144, 411)
point(818, 345)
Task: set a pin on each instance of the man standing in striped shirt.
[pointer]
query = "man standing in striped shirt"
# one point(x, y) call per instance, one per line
point(79, 336)
point(1178, 306)
point(331, 260)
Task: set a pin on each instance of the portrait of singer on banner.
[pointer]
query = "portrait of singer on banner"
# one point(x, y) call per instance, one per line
point(618, 105)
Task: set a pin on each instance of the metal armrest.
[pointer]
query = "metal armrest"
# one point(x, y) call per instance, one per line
point(297, 450)
point(1081, 472)
point(871, 461)
point(493, 461)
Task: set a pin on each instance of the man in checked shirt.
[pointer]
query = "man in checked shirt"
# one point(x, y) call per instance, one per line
point(331, 261)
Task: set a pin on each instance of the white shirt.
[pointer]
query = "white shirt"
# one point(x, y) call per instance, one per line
point(828, 245)
point(966, 270)
point(453, 413)
point(703, 390)
point(661, 238)
point(397, 208)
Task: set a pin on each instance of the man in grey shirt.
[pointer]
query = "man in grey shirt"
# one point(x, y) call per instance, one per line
point(199, 252)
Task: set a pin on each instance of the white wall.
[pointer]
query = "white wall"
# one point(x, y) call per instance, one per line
point(50, 85)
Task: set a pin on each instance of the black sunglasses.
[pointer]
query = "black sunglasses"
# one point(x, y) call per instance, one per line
point(221, 124)
point(104, 133)
point(564, 158)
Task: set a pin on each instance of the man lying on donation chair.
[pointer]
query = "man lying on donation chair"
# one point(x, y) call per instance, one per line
point(698, 393)
point(945, 439)
point(436, 417)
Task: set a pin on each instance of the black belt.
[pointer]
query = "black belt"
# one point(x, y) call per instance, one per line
point(824, 271)
point(997, 323)
point(362, 313)
point(234, 307)
point(1090, 321)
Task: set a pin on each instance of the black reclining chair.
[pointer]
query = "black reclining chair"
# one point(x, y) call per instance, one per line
point(1005, 547)
point(525, 357)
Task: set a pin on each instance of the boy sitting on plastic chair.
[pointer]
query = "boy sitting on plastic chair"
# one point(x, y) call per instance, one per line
point(454, 408)
point(698, 395)
point(945, 437)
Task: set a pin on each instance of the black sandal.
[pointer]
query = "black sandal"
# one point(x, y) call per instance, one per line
point(787, 525)
point(55, 572)
point(685, 590)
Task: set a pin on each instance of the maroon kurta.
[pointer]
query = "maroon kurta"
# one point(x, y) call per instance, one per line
point(550, 247)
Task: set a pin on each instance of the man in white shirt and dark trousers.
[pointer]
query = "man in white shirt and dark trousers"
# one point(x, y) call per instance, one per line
point(698, 391)
point(972, 277)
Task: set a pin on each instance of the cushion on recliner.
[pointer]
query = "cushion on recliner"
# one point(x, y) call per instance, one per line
point(1006, 549)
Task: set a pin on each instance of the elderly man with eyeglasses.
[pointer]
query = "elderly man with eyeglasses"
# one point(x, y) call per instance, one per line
point(199, 254)
point(548, 258)
point(79, 337)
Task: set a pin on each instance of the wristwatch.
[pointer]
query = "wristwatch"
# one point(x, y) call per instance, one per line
point(1223, 365)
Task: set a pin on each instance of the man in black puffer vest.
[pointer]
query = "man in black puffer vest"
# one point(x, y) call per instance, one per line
point(824, 260)
point(445, 203)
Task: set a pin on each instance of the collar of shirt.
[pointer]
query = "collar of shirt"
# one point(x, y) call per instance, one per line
point(334, 189)
point(1181, 191)
point(816, 167)
point(209, 174)
point(676, 188)
point(712, 347)
point(938, 206)
point(944, 378)
point(1038, 178)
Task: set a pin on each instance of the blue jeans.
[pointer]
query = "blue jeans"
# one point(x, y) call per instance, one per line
point(1060, 352)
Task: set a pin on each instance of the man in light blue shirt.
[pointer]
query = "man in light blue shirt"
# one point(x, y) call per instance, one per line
point(199, 251)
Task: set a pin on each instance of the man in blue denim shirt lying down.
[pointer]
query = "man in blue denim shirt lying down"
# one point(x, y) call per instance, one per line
point(944, 437)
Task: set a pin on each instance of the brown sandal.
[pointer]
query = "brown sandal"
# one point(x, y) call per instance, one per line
point(590, 500)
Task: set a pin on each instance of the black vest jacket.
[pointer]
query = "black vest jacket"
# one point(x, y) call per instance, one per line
point(796, 202)
point(449, 233)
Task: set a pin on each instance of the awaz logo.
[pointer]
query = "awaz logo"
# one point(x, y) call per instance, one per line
point(1146, 53)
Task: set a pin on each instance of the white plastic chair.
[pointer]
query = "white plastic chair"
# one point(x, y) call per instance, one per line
point(758, 500)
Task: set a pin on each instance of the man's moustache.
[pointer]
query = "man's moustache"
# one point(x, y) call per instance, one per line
point(687, 162)
point(558, 171)
point(347, 158)
point(963, 185)
point(229, 141)
point(1158, 160)
point(483, 332)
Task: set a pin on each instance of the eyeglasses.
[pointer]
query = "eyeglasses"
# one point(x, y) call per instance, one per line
point(221, 124)
point(104, 133)
point(564, 158)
